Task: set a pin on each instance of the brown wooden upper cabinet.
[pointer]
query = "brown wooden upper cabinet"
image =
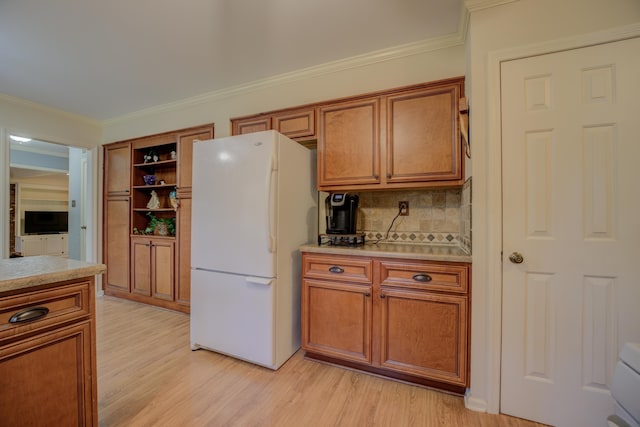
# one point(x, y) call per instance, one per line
point(349, 143)
point(117, 169)
point(250, 125)
point(185, 154)
point(407, 138)
point(297, 123)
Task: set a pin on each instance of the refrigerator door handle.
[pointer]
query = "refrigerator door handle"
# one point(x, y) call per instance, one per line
point(258, 280)
point(271, 207)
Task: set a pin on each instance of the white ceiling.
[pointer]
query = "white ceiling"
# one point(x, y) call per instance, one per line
point(105, 59)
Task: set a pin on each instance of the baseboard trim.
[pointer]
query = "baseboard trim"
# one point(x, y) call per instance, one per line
point(474, 404)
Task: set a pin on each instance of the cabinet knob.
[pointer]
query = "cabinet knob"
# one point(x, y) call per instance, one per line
point(383, 296)
point(367, 294)
point(336, 269)
point(422, 278)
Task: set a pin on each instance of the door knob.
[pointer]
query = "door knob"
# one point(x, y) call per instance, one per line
point(516, 258)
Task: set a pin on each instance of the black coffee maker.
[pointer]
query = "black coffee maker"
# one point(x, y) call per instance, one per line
point(341, 213)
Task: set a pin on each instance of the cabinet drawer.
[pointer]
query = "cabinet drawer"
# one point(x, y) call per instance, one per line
point(434, 277)
point(64, 304)
point(337, 268)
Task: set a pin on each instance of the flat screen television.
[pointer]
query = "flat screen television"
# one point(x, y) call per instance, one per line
point(46, 222)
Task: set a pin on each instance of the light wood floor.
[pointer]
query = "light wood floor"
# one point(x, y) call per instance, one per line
point(148, 376)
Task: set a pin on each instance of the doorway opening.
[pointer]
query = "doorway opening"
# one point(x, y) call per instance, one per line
point(48, 213)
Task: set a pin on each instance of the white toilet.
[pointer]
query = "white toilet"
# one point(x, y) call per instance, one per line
point(626, 388)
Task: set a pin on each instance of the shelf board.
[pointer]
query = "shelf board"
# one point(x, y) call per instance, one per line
point(155, 164)
point(154, 210)
point(151, 187)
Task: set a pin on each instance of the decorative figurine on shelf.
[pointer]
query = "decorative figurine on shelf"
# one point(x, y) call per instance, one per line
point(173, 155)
point(149, 179)
point(154, 202)
point(151, 157)
point(173, 199)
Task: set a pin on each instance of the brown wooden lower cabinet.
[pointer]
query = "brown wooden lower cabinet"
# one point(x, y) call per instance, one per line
point(338, 319)
point(409, 319)
point(47, 366)
point(152, 267)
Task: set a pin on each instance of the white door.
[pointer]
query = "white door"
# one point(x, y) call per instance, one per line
point(571, 144)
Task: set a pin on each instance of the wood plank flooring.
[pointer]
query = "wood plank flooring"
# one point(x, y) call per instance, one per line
point(148, 376)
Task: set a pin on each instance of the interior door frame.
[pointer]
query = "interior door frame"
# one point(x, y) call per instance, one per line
point(493, 271)
point(91, 192)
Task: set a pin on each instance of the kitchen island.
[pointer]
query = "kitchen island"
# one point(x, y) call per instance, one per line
point(397, 310)
point(48, 341)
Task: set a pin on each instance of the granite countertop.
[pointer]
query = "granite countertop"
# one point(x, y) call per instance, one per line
point(449, 253)
point(22, 273)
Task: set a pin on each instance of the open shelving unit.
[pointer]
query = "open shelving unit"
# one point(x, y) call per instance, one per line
point(161, 161)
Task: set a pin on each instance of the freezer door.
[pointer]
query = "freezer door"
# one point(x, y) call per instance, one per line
point(233, 315)
point(233, 218)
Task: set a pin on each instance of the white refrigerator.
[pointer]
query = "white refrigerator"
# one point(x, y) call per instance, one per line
point(254, 203)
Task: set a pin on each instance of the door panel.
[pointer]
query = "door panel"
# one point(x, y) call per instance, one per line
point(141, 266)
point(162, 264)
point(423, 142)
point(570, 208)
point(117, 244)
point(338, 319)
point(348, 144)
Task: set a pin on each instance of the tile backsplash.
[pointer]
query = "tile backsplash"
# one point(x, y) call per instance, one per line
point(435, 216)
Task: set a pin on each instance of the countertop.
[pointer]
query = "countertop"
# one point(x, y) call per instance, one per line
point(448, 253)
point(18, 274)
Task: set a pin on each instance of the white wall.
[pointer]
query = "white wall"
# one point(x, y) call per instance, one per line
point(329, 81)
point(39, 122)
point(509, 26)
point(48, 124)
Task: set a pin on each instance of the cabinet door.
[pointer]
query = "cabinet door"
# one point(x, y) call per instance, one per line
point(46, 380)
point(183, 253)
point(423, 138)
point(185, 154)
point(162, 268)
point(336, 319)
point(54, 245)
point(348, 143)
point(424, 334)
point(116, 243)
point(254, 124)
point(31, 245)
point(140, 266)
point(117, 169)
point(300, 124)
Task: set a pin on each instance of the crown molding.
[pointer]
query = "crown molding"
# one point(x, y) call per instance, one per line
point(353, 62)
point(476, 5)
point(46, 109)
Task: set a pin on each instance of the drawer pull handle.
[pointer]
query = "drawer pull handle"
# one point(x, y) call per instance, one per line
point(336, 269)
point(422, 278)
point(29, 314)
